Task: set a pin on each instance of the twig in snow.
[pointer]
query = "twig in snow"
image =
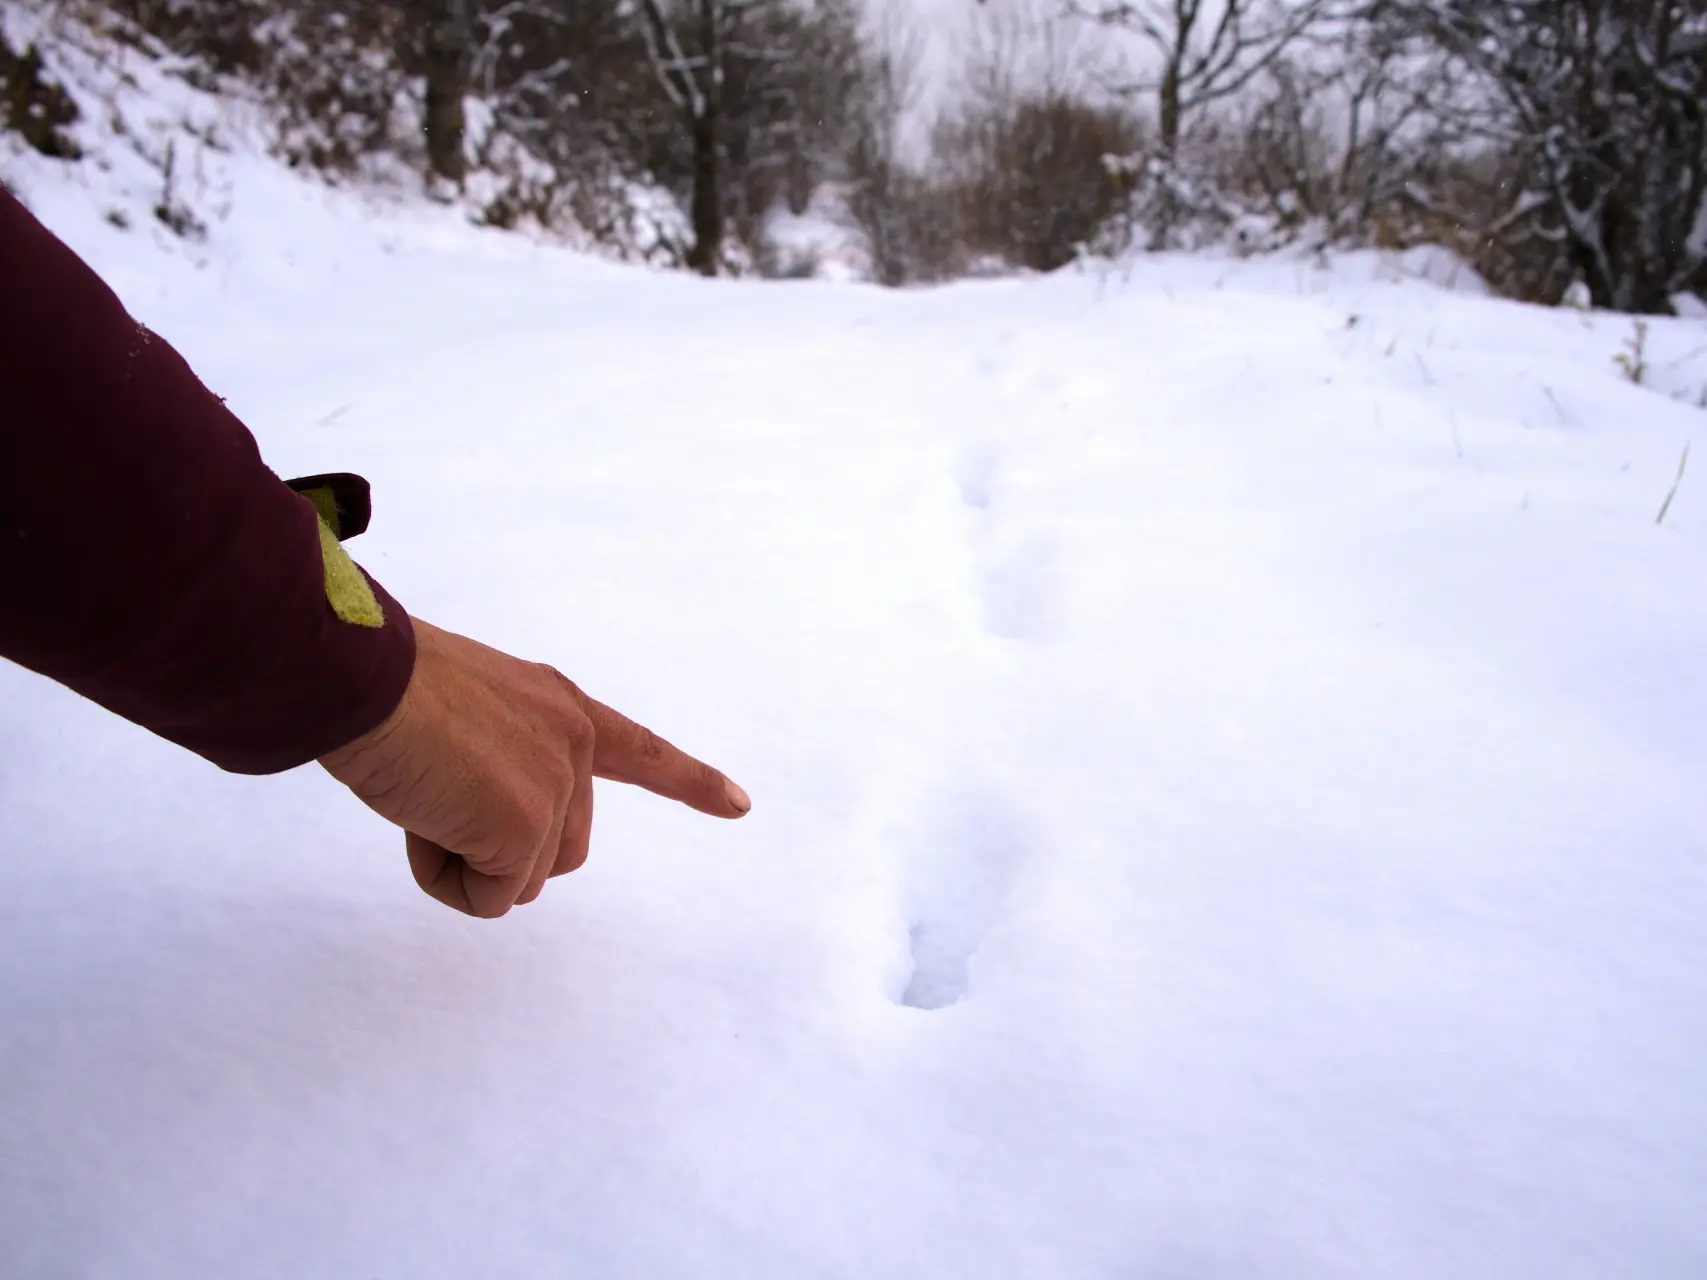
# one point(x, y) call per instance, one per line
point(1666, 506)
point(1421, 364)
point(1563, 416)
point(1686, 357)
point(1634, 358)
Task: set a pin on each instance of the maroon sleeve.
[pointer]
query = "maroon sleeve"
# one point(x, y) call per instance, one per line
point(148, 558)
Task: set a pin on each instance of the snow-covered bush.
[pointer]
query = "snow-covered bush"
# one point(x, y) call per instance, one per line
point(33, 105)
point(330, 89)
point(1594, 113)
point(820, 243)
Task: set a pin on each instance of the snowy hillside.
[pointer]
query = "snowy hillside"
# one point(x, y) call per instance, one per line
point(185, 160)
point(1228, 746)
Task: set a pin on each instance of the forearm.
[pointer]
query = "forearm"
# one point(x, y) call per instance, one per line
point(148, 557)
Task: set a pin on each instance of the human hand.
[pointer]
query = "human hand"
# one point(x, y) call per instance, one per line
point(487, 764)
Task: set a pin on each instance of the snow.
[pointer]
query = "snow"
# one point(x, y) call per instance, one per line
point(159, 133)
point(819, 243)
point(1226, 738)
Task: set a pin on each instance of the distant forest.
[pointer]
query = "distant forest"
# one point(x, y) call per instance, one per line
point(1551, 143)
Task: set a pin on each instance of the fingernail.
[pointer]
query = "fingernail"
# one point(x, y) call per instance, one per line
point(737, 797)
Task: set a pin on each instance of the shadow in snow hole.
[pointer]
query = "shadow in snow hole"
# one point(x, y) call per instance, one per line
point(939, 968)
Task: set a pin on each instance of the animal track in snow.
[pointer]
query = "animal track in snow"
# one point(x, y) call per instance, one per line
point(1022, 590)
point(1018, 579)
point(961, 873)
point(976, 473)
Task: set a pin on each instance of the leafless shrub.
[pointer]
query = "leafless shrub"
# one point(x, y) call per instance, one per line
point(33, 106)
point(909, 221)
point(1018, 159)
point(759, 106)
point(1591, 117)
point(1202, 53)
point(1028, 179)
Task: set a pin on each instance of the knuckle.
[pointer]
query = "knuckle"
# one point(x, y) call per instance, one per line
point(562, 682)
point(572, 706)
point(570, 860)
point(651, 749)
point(539, 807)
point(511, 861)
point(528, 807)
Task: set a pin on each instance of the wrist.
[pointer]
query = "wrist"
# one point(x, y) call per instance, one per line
point(363, 755)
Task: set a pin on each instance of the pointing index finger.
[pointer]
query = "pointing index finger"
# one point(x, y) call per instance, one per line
point(627, 752)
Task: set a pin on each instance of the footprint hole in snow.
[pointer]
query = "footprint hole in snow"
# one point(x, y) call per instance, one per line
point(976, 475)
point(959, 882)
point(1022, 592)
point(939, 978)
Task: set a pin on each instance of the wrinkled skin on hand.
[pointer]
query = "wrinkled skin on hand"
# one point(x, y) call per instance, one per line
point(488, 765)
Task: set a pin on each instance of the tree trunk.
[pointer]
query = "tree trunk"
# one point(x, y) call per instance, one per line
point(707, 252)
point(447, 84)
point(1169, 111)
point(707, 197)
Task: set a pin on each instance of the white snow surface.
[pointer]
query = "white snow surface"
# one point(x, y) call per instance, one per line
point(1228, 745)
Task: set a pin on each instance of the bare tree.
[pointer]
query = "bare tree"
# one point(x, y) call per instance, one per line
point(1332, 143)
point(883, 196)
point(790, 109)
point(1208, 49)
point(1021, 152)
point(446, 56)
point(759, 88)
point(572, 83)
point(695, 84)
point(33, 105)
point(1599, 111)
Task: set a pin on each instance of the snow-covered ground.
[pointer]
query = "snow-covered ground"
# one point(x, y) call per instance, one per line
point(1229, 745)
